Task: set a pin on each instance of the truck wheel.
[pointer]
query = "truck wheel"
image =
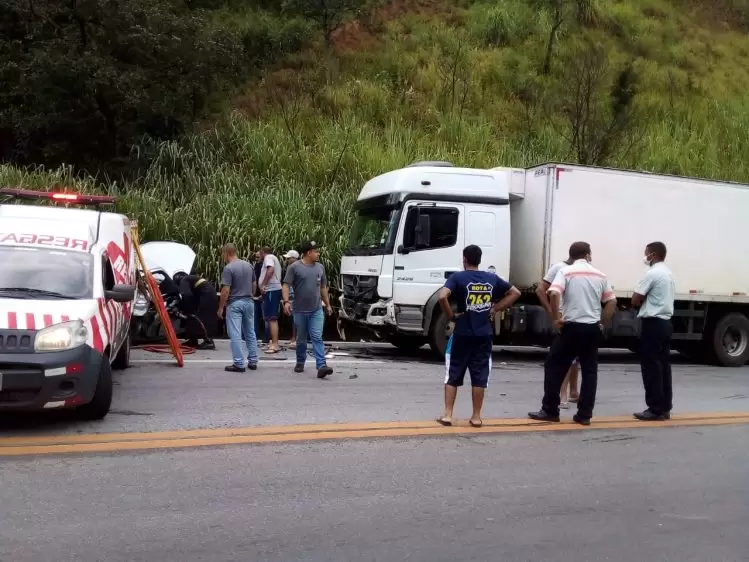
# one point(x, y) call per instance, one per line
point(731, 340)
point(102, 400)
point(407, 343)
point(437, 334)
point(122, 360)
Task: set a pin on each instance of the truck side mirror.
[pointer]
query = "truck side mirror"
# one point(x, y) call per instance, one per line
point(403, 250)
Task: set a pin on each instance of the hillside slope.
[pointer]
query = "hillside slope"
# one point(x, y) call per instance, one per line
point(657, 85)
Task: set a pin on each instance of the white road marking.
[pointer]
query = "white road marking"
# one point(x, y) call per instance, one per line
point(263, 361)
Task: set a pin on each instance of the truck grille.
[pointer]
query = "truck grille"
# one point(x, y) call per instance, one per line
point(360, 288)
point(21, 383)
point(16, 341)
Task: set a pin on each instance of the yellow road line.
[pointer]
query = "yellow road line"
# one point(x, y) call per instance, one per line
point(242, 436)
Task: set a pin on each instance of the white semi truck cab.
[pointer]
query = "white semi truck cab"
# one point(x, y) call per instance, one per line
point(413, 223)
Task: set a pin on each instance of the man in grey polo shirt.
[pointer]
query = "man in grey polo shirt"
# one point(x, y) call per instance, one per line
point(307, 279)
point(655, 297)
point(580, 322)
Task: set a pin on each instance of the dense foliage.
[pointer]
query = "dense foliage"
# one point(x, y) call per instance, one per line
point(648, 84)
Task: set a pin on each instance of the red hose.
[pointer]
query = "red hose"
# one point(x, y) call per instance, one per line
point(165, 348)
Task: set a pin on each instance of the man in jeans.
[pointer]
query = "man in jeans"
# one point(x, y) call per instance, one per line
point(269, 284)
point(237, 287)
point(307, 279)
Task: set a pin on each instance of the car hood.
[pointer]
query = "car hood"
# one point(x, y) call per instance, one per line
point(35, 314)
point(171, 257)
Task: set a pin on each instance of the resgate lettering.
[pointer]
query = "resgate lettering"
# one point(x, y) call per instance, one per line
point(44, 240)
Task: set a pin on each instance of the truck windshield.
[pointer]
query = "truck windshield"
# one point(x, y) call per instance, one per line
point(29, 273)
point(374, 231)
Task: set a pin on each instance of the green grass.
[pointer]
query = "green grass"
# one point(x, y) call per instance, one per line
point(469, 91)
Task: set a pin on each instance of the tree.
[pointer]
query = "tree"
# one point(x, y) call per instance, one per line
point(85, 79)
point(603, 119)
point(328, 15)
point(585, 13)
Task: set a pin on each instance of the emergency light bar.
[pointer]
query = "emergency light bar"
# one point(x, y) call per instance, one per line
point(62, 197)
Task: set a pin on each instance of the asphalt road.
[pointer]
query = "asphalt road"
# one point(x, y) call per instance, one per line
point(620, 491)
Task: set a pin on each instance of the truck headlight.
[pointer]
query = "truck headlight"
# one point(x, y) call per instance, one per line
point(61, 337)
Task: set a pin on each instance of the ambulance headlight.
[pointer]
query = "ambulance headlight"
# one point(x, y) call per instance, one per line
point(61, 337)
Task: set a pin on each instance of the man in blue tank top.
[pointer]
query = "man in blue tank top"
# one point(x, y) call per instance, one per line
point(478, 295)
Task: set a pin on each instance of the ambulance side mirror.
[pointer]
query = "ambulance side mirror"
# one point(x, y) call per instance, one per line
point(121, 293)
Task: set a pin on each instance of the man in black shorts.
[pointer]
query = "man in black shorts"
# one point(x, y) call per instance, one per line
point(478, 295)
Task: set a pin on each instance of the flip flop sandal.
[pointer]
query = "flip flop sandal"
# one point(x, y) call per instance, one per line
point(474, 424)
point(272, 351)
point(443, 421)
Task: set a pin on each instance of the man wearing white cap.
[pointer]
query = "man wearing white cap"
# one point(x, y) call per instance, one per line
point(291, 256)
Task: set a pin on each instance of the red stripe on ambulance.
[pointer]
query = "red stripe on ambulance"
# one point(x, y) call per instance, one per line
point(104, 320)
point(12, 321)
point(96, 333)
point(48, 320)
point(65, 318)
point(30, 321)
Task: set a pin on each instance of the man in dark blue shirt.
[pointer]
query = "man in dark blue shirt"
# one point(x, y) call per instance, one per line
point(478, 296)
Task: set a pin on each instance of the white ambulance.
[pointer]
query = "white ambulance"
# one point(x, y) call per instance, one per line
point(67, 282)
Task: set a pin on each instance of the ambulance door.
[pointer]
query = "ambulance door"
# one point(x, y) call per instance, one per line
point(112, 314)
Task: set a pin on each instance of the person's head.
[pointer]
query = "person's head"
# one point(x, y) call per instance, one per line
point(471, 257)
point(229, 252)
point(265, 251)
point(291, 256)
point(310, 251)
point(179, 276)
point(580, 251)
point(655, 252)
point(258, 256)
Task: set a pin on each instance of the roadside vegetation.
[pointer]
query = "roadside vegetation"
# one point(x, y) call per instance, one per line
point(305, 107)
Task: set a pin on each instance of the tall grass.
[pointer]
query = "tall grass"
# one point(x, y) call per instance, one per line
point(469, 93)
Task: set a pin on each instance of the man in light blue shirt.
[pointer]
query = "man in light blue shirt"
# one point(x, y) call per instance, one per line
point(655, 298)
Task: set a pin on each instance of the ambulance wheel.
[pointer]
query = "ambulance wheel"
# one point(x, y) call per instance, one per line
point(438, 334)
point(122, 360)
point(102, 400)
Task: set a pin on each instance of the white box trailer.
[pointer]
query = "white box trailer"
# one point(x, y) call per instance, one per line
point(704, 224)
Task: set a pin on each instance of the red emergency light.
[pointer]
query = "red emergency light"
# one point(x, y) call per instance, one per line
point(60, 196)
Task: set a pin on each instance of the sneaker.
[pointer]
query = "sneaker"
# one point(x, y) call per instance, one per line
point(564, 405)
point(234, 369)
point(299, 368)
point(324, 371)
point(207, 345)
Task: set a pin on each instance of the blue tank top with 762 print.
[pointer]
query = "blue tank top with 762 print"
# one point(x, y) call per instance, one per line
point(474, 292)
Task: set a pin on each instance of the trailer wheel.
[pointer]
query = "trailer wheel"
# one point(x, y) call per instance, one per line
point(731, 340)
point(102, 400)
point(438, 334)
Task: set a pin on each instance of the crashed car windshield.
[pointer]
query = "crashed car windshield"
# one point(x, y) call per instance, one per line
point(45, 274)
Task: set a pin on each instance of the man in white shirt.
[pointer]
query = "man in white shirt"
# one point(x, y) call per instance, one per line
point(569, 385)
point(581, 322)
point(655, 298)
point(270, 288)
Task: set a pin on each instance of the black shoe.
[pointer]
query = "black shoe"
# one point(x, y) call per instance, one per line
point(648, 415)
point(206, 345)
point(582, 421)
point(252, 366)
point(191, 343)
point(323, 372)
point(542, 415)
point(299, 368)
point(234, 369)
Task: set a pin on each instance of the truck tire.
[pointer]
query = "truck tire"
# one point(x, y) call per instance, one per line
point(122, 360)
point(102, 400)
point(437, 334)
point(730, 340)
point(407, 343)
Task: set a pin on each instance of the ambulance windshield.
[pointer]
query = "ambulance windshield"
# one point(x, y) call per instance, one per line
point(45, 274)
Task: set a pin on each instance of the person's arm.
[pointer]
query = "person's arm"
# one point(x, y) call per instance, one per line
point(288, 281)
point(556, 290)
point(511, 295)
point(444, 298)
point(608, 298)
point(543, 297)
point(324, 294)
point(643, 288)
point(225, 288)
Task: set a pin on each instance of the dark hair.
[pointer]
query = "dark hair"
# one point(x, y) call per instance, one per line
point(472, 255)
point(578, 250)
point(267, 250)
point(658, 248)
